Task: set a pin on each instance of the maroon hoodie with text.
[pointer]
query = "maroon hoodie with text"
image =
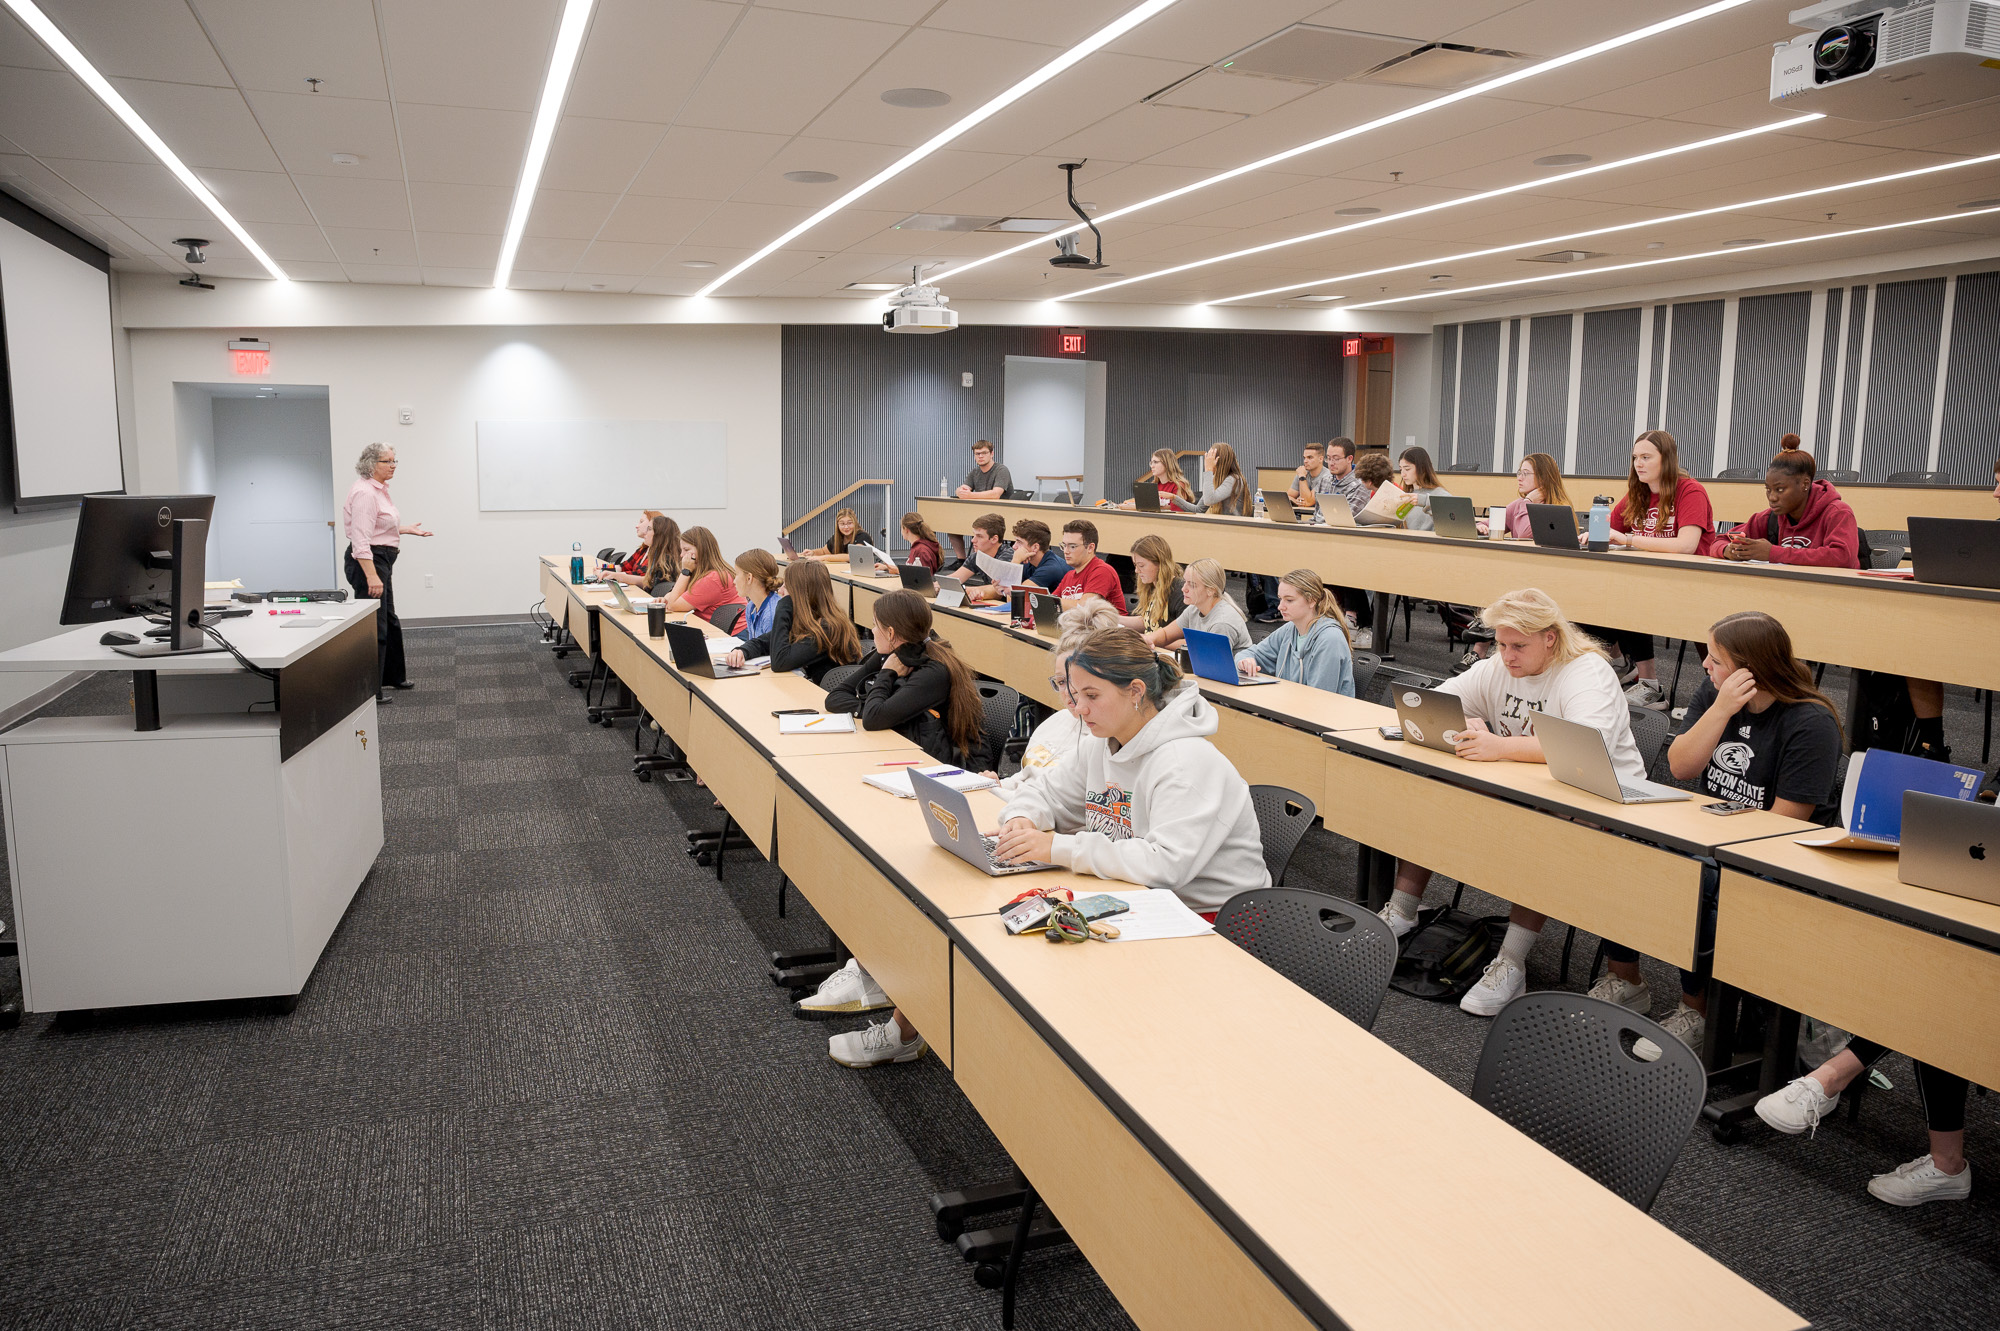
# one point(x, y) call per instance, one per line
point(1825, 534)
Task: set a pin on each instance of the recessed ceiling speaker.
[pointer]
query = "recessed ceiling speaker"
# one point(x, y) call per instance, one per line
point(811, 177)
point(916, 99)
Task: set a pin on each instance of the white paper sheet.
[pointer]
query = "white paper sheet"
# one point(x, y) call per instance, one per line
point(1002, 572)
point(836, 723)
point(1155, 914)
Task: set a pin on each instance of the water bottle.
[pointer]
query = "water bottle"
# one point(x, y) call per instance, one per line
point(576, 563)
point(1257, 502)
point(944, 487)
point(1600, 524)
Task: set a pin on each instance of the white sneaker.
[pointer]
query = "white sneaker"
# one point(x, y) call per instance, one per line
point(878, 1042)
point(1626, 669)
point(849, 989)
point(1632, 997)
point(1647, 693)
point(1364, 640)
point(1684, 1024)
point(1797, 1107)
point(1921, 1181)
point(1502, 983)
point(1399, 923)
point(1353, 624)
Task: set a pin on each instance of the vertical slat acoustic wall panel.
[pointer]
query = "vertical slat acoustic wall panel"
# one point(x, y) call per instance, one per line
point(1902, 377)
point(1548, 387)
point(1447, 376)
point(1770, 374)
point(1829, 370)
point(1511, 396)
point(1969, 441)
point(1694, 379)
point(1478, 391)
point(1850, 380)
point(1657, 380)
point(1604, 408)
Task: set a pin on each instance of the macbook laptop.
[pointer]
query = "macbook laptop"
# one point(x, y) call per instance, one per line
point(1048, 613)
point(1334, 512)
point(1945, 846)
point(1210, 658)
point(1579, 756)
point(1146, 496)
point(916, 577)
point(690, 648)
point(1554, 525)
point(1278, 506)
point(950, 593)
point(1430, 718)
point(1957, 552)
point(785, 544)
point(1451, 515)
point(624, 600)
point(948, 817)
point(861, 558)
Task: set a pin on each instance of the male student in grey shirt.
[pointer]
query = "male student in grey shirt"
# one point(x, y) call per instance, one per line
point(987, 480)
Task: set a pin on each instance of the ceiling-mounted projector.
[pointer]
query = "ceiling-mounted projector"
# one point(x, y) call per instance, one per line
point(1864, 60)
point(919, 309)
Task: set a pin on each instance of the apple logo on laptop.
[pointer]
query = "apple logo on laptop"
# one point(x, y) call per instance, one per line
point(1977, 850)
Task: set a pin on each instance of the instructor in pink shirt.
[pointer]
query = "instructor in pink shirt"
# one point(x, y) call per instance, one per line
point(375, 532)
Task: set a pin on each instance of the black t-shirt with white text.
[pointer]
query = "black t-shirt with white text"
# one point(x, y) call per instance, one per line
point(1788, 751)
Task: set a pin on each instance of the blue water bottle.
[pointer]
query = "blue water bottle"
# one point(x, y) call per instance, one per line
point(576, 564)
point(1600, 524)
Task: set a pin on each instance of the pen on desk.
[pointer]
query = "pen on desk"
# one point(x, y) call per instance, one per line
point(914, 762)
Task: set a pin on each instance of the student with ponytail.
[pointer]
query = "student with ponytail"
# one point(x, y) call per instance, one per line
point(809, 631)
point(1146, 797)
point(914, 684)
point(1312, 648)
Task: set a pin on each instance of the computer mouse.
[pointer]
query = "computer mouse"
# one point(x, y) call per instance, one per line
point(117, 639)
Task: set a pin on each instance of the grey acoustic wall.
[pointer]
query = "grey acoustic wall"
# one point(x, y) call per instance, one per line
point(1512, 394)
point(1447, 371)
point(1905, 375)
point(861, 403)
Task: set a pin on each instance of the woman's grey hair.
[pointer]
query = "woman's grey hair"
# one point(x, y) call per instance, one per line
point(365, 464)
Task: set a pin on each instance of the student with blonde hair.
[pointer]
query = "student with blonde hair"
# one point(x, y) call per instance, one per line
point(1312, 648)
point(1164, 470)
point(846, 531)
point(1159, 585)
point(1541, 665)
point(1206, 589)
point(1056, 738)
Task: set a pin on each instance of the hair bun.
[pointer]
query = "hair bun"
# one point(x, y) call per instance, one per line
point(1790, 441)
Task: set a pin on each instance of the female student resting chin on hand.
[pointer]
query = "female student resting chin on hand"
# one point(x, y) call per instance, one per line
point(1312, 648)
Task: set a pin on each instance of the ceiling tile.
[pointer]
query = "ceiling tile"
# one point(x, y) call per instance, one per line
point(567, 214)
point(129, 189)
point(302, 271)
point(613, 283)
point(276, 48)
point(443, 55)
point(51, 114)
point(453, 249)
point(534, 279)
point(387, 274)
point(972, 69)
point(368, 245)
point(1423, 20)
point(356, 201)
point(653, 221)
point(308, 129)
point(904, 12)
point(1100, 86)
point(1205, 33)
point(473, 208)
point(622, 257)
point(643, 57)
point(457, 277)
point(204, 126)
point(1138, 132)
point(21, 49)
point(780, 70)
point(140, 39)
point(457, 145)
point(1027, 187)
point(548, 254)
point(598, 155)
point(258, 196)
point(1058, 23)
point(704, 163)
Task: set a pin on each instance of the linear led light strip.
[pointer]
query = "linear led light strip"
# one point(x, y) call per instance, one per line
point(1006, 99)
point(1679, 258)
point(1396, 117)
point(562, 65)
point(66, 51)
point(1539, 183)
point(1649, 223)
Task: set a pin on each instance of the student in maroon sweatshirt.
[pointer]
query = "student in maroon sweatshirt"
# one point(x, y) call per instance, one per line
point(1807, 523)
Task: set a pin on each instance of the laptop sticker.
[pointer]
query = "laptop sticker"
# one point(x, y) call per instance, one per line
point(945, 819)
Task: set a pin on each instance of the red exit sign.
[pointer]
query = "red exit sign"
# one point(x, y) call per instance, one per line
point(1070, 341)
point(1351, 347)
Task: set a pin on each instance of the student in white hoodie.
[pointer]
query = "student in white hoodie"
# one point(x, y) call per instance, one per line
point(1541, 665)
point(1057, 737)
point(1146, 797)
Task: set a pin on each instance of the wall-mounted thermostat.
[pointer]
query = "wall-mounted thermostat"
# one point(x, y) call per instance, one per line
point(966, 379)
point(406, 415)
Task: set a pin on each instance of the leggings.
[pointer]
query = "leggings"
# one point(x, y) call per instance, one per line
point(1943, 1092)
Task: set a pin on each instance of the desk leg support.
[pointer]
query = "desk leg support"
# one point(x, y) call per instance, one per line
point(1374, 877)
point(1385, 620)
point(145, 700)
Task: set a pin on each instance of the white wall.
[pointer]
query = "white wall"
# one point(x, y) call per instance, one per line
point(194, 439)
point(1044, 420)
point(452, 377)
point(273, 494)
point(34, 567)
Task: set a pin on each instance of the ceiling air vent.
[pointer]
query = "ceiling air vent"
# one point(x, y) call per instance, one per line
point(944, 222)
point(1565, 256)
point(1444, 66)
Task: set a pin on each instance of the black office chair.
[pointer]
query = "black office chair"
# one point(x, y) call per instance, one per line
point(1334, 950)
point(1365, 666)
point(1559, 1067)
point(1018, 495)
point(1884, 549)
point(1841, 477)
point(727, 617)
point(839, 675)
point(1919, 478)
point(1283, 819)
point(999, 705)
point(1740, 474)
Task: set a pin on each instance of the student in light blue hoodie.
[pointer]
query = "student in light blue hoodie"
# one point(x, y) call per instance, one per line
point(1312, 648)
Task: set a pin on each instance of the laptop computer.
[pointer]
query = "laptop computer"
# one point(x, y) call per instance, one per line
point(1579, 756)
point(948, 818)
point(950, 594)
point(916, 577)
point(1554, 525)
point(1278, 506)
point(1146, 496)
point(1944, 846)
point(1048, 611)
point(1430, 718)
point(1956, 552)
point(861, 558)
point(1334, 511)
point(1451, 515)
point(1210, 658)
point(785, 544)
point(690, 648)
point(624, 600)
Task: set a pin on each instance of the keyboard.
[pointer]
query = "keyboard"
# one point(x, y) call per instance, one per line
point(989, 842)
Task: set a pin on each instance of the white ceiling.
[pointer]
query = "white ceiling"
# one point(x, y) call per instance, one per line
point(685, 115)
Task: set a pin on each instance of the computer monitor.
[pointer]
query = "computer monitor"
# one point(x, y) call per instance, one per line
point(141, 554)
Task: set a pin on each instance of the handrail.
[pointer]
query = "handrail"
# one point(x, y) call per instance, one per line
point(791, 527)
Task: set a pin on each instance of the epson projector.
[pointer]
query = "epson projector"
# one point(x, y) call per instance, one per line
point(1864, 60)
point(919, 319)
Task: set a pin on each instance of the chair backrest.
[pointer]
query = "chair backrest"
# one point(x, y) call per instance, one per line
point(1883, 548)
point(1649, 733)
point(1841, 477)
point(998, 706)
point(1557, 1066)
point(1020, 494)
point(727, 617)
point(1365, 666)
point(1388, 677)
point(1461, 468)
point(1337, 952)
point(839, 675)
point(1740, 474)
point(1283, 819)
point(1919, 478)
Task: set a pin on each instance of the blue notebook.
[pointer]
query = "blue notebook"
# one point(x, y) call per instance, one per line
point(1871, 805)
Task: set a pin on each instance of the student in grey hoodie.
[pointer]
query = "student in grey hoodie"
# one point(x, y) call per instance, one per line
point(1145, 797)
point(1312, 648)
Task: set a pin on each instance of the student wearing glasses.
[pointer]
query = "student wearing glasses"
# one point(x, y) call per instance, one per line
point(846, 531)
point(1312, 648)
point(1205, 588)
point(1163, 469)
point(1088, 575)
point(1539, 480)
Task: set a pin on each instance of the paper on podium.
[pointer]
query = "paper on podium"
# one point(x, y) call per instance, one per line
point(1155, 913)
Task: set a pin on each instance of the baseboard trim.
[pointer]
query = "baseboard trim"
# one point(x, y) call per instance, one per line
point(27, 707)
point(468, 621)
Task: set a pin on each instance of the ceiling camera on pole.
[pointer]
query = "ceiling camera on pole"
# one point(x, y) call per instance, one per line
point(1066, 255)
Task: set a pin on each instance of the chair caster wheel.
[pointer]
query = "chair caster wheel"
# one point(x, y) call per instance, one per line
point(563, 655)
point(644, 774)
point(591, 715)
point(10, 1016)
point(606, 722)
point(949, 1230)
point(704, 859)
point(576, 683)
point(1727, 1134)
point(989, 1274)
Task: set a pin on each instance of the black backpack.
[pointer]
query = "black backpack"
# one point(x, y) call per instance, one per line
point(1446, 953)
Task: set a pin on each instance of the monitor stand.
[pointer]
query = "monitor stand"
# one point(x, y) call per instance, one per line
point(188, 560)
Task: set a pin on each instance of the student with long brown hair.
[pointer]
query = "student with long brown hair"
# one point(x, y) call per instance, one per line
point(1417, 476)
point(1159, 585)
point(923, 542)
point(1759, 733)
point(757, 581)
point(846, 531)
point(706, 579)
point(1667, 511)
point(809, 631)
point(1539, 480)
point(663, 556)
point(914, 684)
point(1226, 491)
point(632, 570)
point(1164, 470)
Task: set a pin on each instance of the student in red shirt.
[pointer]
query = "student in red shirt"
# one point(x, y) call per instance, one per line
point(924, 548)
point(1088, 575)
point(1665, 511)
point(1807, 523)
point(707, 580)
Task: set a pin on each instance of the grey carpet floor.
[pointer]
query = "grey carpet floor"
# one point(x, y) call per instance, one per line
point(539, 1079)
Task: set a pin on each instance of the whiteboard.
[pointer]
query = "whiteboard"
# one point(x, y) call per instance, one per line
point(551, 465)
point(58, 335)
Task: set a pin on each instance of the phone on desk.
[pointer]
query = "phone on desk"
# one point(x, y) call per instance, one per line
point(1100, 905)
point(1389, 732)
point(1723, 808)
point(796, 711)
